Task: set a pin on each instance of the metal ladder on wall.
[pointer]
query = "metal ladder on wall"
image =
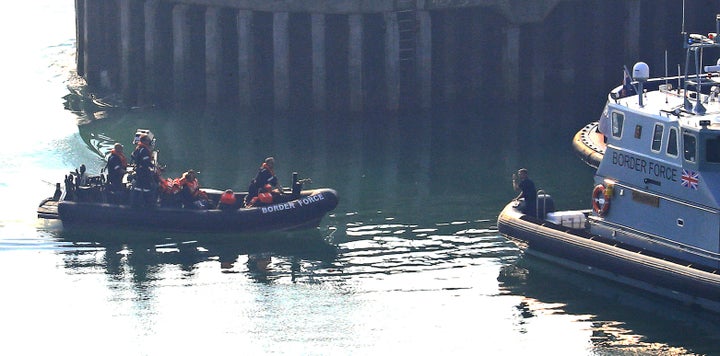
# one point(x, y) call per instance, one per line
point(407, 28)
point(406, 12)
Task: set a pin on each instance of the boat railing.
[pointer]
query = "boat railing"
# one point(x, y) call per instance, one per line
point(544, 199)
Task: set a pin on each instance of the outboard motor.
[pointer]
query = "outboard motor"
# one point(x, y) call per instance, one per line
point(545, 204)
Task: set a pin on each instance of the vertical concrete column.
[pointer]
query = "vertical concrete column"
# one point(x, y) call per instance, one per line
point(213, 56)
point(392, 61)
point(92, 40)
point(632, 31)
point(567, 52)
point(151, 45)
point(245, 57)
point(80, 36)
point(126, 51)
point(281, 61)
point(511, 61)
point(449, 86)
point(602, 10)
point(355, 61)
point(423, 52)
point(319, 74)
point(539, 59)
point(181, 52)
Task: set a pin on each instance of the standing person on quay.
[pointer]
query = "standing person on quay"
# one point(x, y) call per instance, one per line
point(265, 175)
point(521, 182)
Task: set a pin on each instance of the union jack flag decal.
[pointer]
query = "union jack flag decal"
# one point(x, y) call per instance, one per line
point(690, 179)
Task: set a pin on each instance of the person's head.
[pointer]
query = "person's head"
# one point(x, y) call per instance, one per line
point(82, 168)
point(144, 138)
point(190, 175)
point(229, 191)
point(522, 173)
point(268, 187)
point(270, 161)
point(118, 147)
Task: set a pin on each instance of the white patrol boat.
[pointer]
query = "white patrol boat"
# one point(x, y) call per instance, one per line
point(655, 217)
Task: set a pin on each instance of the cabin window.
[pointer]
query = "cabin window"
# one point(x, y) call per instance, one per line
point(712, 150)
point(617, 124)
point(657, 138)
point(672, 146)
point(689, 147)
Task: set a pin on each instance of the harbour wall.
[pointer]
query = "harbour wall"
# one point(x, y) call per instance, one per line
point(372, 55)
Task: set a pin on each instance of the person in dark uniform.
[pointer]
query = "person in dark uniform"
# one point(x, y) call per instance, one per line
point(116, 167)
point(143, 194)
point(522, 183)
point(265, 175)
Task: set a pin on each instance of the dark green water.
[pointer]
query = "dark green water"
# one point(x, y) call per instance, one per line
point(409, 262)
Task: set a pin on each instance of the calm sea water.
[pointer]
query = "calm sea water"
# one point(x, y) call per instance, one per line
point(409, 262)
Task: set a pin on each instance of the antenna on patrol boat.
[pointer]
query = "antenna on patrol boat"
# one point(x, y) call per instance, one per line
point(683, 19)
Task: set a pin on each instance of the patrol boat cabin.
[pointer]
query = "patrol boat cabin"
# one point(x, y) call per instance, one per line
point(655, 217)
point(658, 183)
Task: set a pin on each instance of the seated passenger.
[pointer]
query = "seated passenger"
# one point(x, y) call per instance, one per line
point(190, 193)
point(263, 197)
point(227, 200)
point(526, 187)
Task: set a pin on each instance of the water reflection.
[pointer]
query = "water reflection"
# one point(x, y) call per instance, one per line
point(141, 257)
point(617, 315)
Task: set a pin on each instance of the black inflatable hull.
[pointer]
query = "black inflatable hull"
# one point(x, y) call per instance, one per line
point(580, 251)
point(305, 212)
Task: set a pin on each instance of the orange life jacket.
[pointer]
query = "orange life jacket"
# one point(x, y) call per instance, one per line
point(265, 197)
point(228, 199)
point(193, 186)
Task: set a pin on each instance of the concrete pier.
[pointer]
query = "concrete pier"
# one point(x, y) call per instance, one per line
point(354, 55)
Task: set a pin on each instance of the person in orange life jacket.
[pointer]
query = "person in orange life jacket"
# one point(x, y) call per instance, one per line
point(143, 194)
point(265, 175)
point(190, 193)
point(264, 197)
point(116, 167)
point(227, 200)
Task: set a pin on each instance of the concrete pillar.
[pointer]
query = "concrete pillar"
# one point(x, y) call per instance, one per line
point(424, 59)
point(181, 52)
point(281, 61)
point(355, 62)
point(597, 53)
point(92, 40)
point(245, 57)
point(392, 61)
point(449, 85)
point(632, 31)
point(568, 54)
point(319, 74)
point(213, 56)
point(151, 56)
point(539, 61)
point(79, 36)
point(127, 47)
point(511, 62)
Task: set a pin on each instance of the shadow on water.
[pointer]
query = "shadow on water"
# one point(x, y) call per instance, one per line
point(621, 317)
